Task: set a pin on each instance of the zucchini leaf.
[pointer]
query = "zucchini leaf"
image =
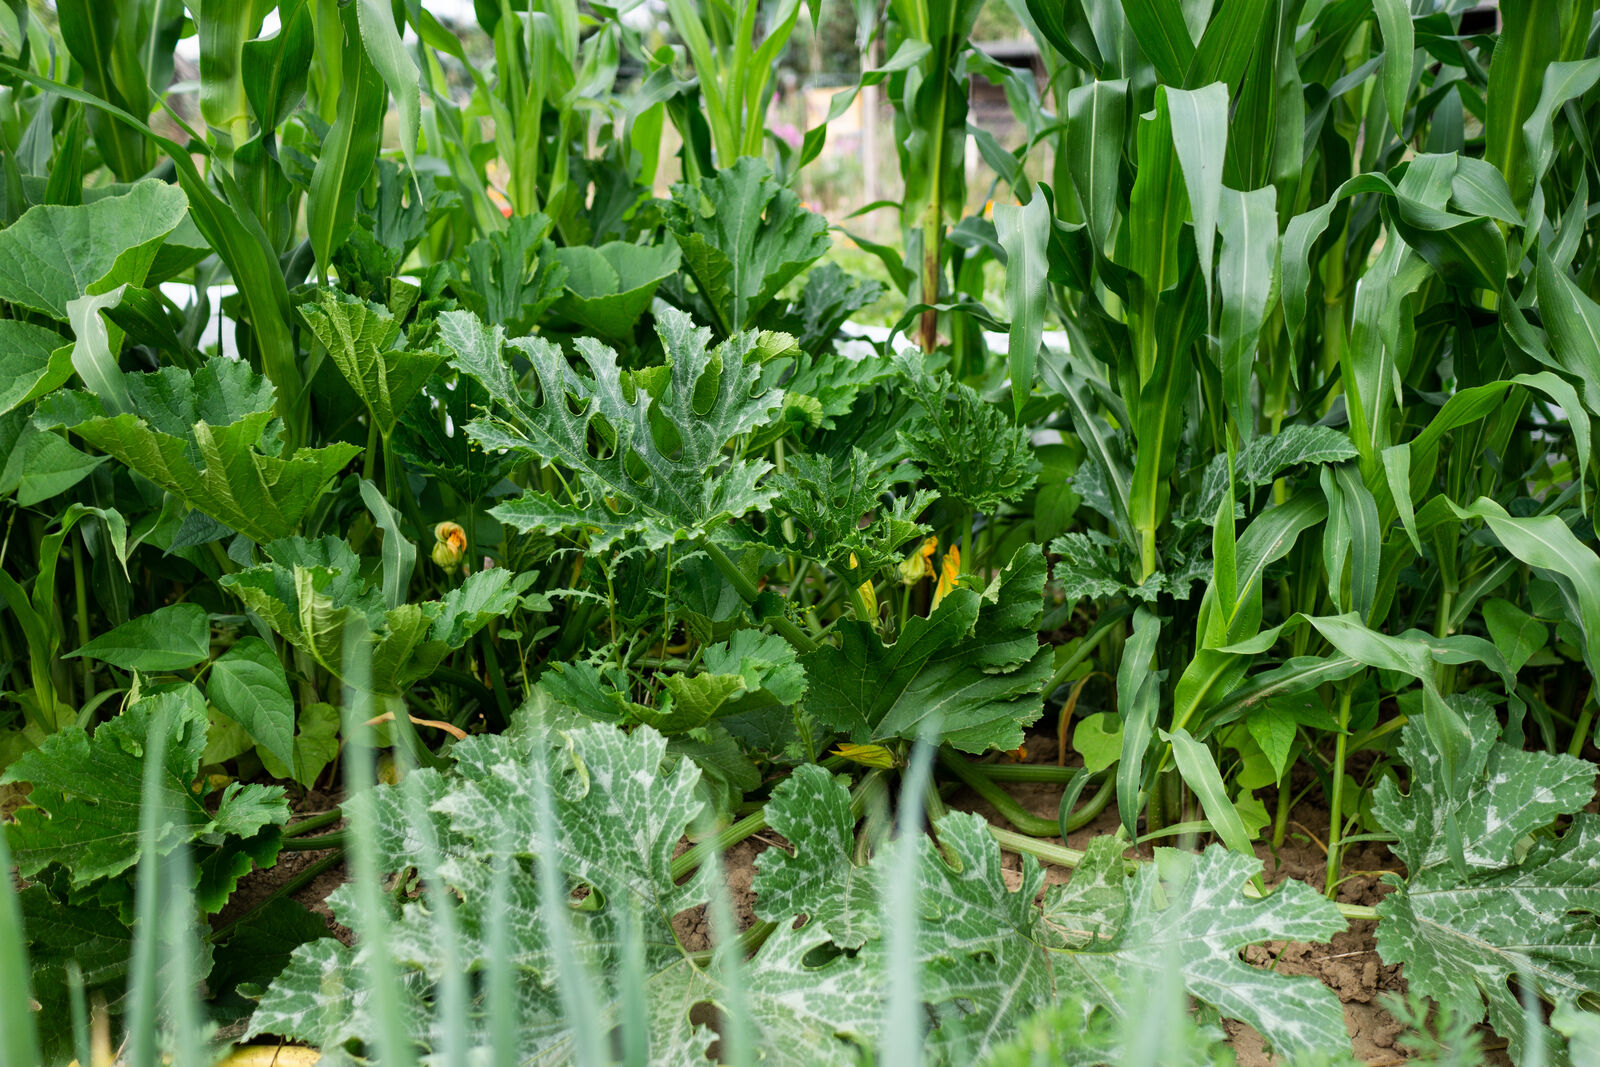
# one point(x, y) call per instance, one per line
point(209, 438)
point(1524, 909)
point(975, 662)
point(647, 449)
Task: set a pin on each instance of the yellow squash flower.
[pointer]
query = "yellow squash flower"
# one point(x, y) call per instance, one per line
point(947, 578)
point(869, 596)
point(919, 564)
point(866, 755)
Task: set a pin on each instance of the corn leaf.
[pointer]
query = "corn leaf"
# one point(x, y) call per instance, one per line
point(1023, 233)
point(743, 236)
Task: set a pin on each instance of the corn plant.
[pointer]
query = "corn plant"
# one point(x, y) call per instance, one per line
point(1207, 201)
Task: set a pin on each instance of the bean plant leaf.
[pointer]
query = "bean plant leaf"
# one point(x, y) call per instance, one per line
point(172, 638)
point(43, 465)
point(316, 744)
point(744, 236)
point(1516, 634)
point(648, 461)
point(362, 339)
point(975, 662)
point(247, 684)
point(1523, 908)
point(83, 811)
point(206, 438)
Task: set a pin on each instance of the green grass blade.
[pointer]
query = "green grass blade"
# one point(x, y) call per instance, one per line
point(18, 1042)
point(378, 975)
point(737, 1040)
point(499, 977)
point(79, 1005)
point(451, 1008)
point(144, 966)
point(903, 1010)
point(180, 948)
point(573, 982)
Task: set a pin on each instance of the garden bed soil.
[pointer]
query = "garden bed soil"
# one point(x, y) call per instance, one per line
point(255, 888)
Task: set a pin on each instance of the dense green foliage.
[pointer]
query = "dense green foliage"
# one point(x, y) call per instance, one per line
point(491, 398)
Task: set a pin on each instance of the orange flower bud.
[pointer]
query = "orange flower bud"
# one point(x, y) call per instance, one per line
point(450, 543)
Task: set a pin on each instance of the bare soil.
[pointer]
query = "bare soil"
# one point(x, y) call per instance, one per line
point(255, 888)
